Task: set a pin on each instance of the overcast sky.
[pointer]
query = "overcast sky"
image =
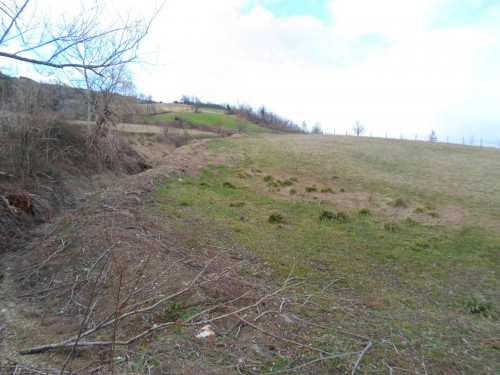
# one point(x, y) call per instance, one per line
point(398, 66)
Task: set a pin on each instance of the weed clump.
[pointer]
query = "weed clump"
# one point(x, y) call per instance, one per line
point(204, 184)
point(392, 227)
point(340, 216)
point(400, 202)
point(273, 185)
point(294, 179)
point(288, 182)
point(327, 189)
point(477, 306)
point(243, 175)
point(342, 190)
point(433, 214)
point(418, 210)
point(256, 170)
point(293, 191)
point(364, 212)
point(311, 189)
point(410, 221)
point(276, 218)
point(228, 185)
point(268, 178)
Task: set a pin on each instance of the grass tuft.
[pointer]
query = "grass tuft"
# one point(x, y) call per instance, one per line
point(364, 212)
point(311, 189)
point(228, 185)
point(340, 216)
point(276, 218)
point(392, 227)
point(327, 189)
point(477, 306)
point(400, 202)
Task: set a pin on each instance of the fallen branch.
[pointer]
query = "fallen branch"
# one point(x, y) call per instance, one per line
point(314, 361)
point(284, 339)
point(367, 347)
point(64, 344)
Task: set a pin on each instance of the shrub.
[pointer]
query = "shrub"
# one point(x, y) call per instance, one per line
point(228, 185)
point(268, 178)
point(311, 189)
point(327, 189)
point(400, 202)
point(342, 190)
point(364, 212)
point(276, 218)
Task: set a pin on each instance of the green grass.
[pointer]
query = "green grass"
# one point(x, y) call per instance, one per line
point(210, 119)
point(410, 279)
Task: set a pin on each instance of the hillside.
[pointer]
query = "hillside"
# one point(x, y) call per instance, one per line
point(304, 254)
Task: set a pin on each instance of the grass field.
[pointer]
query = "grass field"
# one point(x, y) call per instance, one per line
point(210, 119)
point(396, 241)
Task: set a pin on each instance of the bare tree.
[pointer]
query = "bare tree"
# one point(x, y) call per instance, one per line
point(317, 129)
point(45, 43)
point(358, 128)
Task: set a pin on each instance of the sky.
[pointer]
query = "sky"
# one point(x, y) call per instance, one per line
point(401, 67)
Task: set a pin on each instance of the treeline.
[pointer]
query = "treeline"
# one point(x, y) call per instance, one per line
point(260, 116)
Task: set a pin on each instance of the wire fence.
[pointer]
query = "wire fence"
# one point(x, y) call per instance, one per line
point(465, 141)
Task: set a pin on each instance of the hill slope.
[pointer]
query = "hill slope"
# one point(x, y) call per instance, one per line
point(308, 254)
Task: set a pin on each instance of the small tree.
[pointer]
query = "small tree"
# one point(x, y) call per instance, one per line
point(358, 128)
point(317, 129)
point(432, 136)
